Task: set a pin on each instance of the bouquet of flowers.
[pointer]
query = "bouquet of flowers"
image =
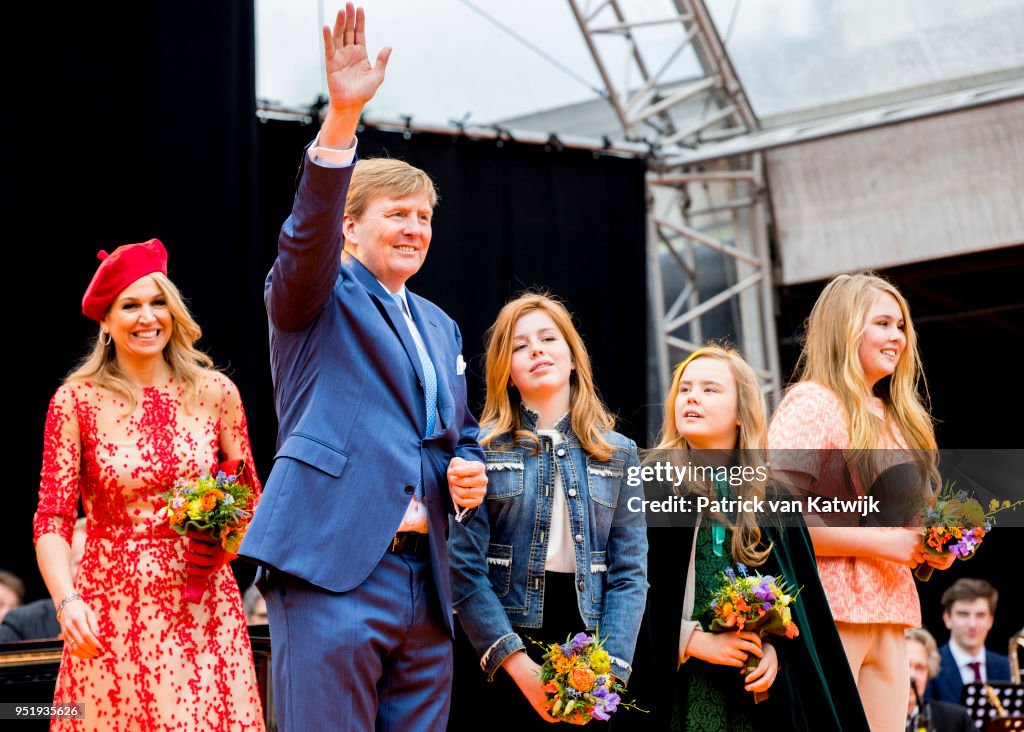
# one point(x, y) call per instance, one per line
point(217, 506)
point(577, 679)
point(752, 602)
point(956, 523)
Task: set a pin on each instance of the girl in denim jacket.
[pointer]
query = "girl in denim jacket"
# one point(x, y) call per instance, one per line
point(555, 549)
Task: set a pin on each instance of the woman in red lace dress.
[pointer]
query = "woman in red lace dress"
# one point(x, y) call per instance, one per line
point(143, 409)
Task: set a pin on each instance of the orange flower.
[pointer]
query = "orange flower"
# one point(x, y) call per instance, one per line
point(792, 631)
point(178, 517)
point(742, 605)
point(582, 678)
point(563, 664)
point(210, 499)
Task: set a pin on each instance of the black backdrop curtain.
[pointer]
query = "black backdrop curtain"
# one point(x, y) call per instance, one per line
point(129, 123)
point(122, 122)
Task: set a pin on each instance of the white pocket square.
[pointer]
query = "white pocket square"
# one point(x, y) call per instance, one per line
point(460, 366)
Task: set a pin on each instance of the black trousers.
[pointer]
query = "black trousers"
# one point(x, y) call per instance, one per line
point(500, 705)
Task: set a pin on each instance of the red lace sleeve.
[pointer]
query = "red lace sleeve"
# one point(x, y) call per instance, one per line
point(62, 453)
point(234, 432)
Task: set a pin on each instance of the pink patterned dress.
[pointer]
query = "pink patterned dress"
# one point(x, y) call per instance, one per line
point(810, 427)
point(169, 664)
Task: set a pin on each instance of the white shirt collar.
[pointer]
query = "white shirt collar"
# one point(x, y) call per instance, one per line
point(401, 293)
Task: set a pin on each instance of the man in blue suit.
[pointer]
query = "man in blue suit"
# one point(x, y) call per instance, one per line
point(376, 444)
point(968, 610)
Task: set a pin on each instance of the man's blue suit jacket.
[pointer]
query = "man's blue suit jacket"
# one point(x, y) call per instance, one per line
point(948, 685)
point(350, 405)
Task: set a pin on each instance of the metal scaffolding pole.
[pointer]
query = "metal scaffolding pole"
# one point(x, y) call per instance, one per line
point(707, 243)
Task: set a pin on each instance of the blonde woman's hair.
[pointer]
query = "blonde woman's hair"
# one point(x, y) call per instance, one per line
point(502, 414)
point(831, 358)
point(751, 441)
point(922, 636)
point(187, 363)
point(385, 176)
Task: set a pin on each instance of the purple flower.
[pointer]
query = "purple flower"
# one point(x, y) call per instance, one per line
point(581, 641)
point(766, 606)
point(742, 568)
point(605, 703)
point(729, 573)
point(963, 548)
point(763, 591)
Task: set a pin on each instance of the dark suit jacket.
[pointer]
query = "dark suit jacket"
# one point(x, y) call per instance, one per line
point(348, 388)
point(33, 621)
point(945, 717)
point(948, 685)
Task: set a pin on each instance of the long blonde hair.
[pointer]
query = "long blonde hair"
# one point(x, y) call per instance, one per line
point(751, 441)
point(187, 363)
point(502, 415)
point(831, 358)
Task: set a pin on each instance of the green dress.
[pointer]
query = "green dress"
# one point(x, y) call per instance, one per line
point(717, 699)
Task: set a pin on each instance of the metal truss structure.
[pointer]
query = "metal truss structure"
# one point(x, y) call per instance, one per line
point(709, 264)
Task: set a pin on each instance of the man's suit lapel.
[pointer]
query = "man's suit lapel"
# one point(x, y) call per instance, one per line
point(389, 309)
point(950, 675)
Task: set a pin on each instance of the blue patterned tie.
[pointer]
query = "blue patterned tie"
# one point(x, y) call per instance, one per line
point(429, 385)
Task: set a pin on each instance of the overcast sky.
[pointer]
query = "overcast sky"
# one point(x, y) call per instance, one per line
point(450, 61)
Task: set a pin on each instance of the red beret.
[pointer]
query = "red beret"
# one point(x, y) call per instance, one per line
point(118, 270)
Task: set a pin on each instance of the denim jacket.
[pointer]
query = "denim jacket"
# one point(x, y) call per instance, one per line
point(497, 558)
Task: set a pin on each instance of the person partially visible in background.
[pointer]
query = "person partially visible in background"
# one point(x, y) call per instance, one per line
point(36, 620)
point(929, 714)
point(12, 592)
point(255, 606)
point(968, 610)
